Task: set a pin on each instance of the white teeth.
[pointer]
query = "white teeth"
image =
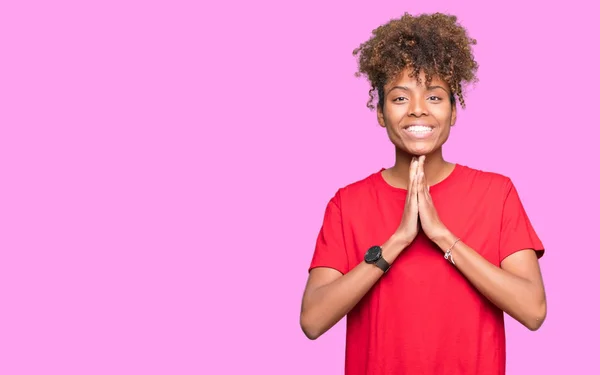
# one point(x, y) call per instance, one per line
point(419, 129)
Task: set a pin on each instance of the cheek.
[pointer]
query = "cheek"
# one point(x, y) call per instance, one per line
point(389, 129)
point(395, 112)
point(441, 111)
point(445, 120)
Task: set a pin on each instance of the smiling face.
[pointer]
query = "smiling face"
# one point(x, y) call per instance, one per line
point(417, 117)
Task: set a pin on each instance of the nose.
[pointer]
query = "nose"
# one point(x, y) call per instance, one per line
point(417, 108)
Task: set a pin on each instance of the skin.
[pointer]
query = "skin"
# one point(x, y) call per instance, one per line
point(516, 286)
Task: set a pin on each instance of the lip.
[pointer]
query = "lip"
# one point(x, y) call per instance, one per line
point(416, 135)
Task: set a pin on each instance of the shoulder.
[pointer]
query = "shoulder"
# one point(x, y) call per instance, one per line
point(487, 180)
point(357, 189)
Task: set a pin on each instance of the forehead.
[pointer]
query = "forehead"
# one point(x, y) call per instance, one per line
point(405, 80)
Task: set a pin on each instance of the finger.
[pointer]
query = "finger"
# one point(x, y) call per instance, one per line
point(414, 195)
point(420, 194)
point(413, 168)
point(428, 194)
point(412, 173)
point(421, 163)
point(423, 171)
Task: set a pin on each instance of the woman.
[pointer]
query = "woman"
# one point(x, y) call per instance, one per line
point(423, 257)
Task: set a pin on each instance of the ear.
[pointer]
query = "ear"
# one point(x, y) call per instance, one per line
point(380, 118)
point(453, 116)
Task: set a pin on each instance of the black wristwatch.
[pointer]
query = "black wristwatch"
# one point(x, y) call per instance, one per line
point(373, 256)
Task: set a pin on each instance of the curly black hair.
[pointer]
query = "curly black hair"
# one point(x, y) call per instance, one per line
point(435, 44)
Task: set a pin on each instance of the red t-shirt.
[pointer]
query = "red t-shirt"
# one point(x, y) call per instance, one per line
point(423, 317)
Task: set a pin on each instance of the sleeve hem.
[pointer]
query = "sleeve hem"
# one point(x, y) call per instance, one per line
point(539, 252)
point(337, 268)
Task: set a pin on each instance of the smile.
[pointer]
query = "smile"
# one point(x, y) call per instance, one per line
point(418, 131)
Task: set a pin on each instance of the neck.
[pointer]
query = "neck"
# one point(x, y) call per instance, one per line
point(436, 168)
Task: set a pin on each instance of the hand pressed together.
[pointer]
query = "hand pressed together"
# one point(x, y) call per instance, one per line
point(428, 217)
point(419, 208)
point(409, 225)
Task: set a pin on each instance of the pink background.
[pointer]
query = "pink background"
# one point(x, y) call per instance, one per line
point(165, 167)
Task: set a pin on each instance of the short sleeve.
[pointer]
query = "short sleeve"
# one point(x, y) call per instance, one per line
point(330, 249)
point(517, 232)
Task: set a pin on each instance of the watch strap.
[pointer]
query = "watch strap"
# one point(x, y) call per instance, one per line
point(382, 264)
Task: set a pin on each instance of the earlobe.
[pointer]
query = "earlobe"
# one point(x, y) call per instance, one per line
point(380, 119)
point(453, 118)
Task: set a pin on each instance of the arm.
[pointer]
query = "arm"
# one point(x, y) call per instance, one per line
point(329, 295)
point(516, 286)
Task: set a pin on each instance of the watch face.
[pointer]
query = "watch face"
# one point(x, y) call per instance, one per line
point(373, 254)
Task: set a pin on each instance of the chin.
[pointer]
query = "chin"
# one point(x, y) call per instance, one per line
point(418, 151)
point(417, 148)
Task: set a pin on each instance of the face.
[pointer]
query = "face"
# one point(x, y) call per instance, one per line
point(417, 118)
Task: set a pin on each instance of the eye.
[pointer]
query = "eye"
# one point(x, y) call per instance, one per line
point(435, 98)
point(399, 99)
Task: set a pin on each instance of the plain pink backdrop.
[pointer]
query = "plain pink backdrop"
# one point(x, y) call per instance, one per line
point(165, 166)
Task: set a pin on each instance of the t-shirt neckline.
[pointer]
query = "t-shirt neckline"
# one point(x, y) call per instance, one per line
point(451, 177)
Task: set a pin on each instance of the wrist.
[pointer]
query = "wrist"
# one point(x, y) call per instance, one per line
point(393, 247)
point(444, 240)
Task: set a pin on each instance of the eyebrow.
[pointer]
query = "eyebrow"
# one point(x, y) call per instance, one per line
point(436, 87)
point(429, 88)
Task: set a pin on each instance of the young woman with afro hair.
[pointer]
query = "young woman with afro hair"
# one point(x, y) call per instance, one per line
point(423, 258)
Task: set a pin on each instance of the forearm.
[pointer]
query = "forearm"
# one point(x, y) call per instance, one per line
point(326, 305)
point(522, 299)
